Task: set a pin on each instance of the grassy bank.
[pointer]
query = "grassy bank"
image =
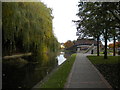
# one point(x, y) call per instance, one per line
point(59, 78)
point(109, 68)
point(101, 60)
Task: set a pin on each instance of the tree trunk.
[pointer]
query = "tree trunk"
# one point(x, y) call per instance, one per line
point(114, 41)
point(98, 46)
point(105, 53)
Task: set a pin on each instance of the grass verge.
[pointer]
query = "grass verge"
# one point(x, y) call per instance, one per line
point(101, 60)
point(109, 68)
point(59, 78)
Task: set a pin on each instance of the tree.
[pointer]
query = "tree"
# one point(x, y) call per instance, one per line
point(27, 27)
point(89, 23)
point(68, 44)
point(113, 22)
point(96, 20)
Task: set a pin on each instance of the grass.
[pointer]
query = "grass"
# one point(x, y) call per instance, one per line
point(59, 78)
point(109, 68)
point(101, 60)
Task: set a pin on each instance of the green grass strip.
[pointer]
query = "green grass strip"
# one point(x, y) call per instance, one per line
point(59, 77)
point(101, 60)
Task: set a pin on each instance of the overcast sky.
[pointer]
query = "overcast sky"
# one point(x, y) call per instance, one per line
point(64, 11)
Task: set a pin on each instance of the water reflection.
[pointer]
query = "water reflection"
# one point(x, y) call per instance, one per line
point(61, 58)
point(29, 75)
point(26, 76)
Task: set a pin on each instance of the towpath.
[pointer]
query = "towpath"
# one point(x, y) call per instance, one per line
point(85, 75)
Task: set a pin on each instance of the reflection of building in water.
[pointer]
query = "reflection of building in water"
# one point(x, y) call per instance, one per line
point(85, 44)
point(62, 45)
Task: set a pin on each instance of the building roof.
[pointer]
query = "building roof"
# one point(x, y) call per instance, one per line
point(86, 42)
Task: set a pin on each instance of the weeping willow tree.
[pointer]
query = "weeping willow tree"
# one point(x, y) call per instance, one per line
point(27, 27)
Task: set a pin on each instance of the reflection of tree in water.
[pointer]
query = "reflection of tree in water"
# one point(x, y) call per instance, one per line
point(26, 30)
point(68, 54)
point(28, 75)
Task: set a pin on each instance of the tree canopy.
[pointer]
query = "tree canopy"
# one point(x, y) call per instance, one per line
point(27, 27)
point(98, 19)
point(68, 44)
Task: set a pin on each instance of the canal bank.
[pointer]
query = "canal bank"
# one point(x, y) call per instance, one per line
point(26, 75)
point(60, 59)
point(57, 78)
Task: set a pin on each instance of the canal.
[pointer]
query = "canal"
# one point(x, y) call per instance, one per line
point(61, 58)
point(29, 75)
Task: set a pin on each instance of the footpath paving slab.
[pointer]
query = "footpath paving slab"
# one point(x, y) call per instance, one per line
point(85, 75)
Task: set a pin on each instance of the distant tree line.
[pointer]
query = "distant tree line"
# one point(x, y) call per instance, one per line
point(68, 44)
point(27, 27)
point(100, 20)
point(117, 45)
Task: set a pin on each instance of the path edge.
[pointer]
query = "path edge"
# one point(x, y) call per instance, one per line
point(101, 76)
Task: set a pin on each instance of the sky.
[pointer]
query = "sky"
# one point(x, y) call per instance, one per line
point(64, 11)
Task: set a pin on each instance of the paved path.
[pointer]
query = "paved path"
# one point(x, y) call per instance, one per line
point(85, 75)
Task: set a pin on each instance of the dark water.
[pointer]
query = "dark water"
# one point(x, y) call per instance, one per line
point(28, 75)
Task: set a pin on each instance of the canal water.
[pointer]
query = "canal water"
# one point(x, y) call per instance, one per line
point(28, 75)
point(61, 58)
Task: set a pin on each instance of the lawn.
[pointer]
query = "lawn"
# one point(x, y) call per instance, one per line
point(101, 60)
point(59, 78)
point(109, 68)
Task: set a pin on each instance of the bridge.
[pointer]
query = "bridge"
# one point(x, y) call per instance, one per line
point(85, 46)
